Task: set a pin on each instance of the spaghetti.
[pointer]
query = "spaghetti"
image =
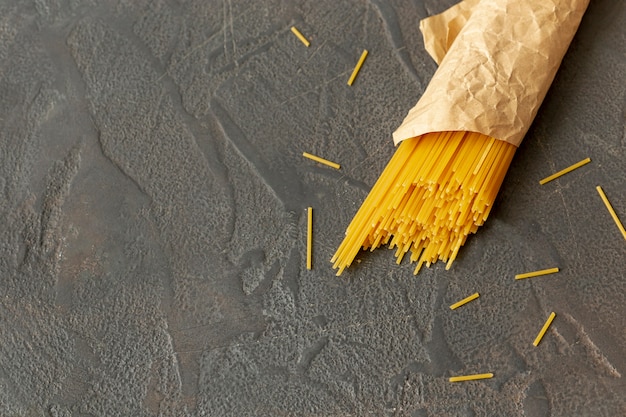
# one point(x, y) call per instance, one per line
point(611, 210)
point(464, 301)
point(358, 66)
point(321, 160)
point(565, 171)
point(436, 190)
point(537, 273)
point(470, 377)
point(309, 238)
point(544, 329)
point(300, 36)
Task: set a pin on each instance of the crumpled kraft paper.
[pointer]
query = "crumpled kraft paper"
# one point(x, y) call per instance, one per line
point(497, 60)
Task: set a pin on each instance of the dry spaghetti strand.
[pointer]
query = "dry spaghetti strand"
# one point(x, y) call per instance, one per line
point(436, 190)
point(611, 210)
point(309, 238)
point(300, 36)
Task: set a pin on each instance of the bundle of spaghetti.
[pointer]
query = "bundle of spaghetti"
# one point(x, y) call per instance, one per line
point(436, 190)
point(497, 59)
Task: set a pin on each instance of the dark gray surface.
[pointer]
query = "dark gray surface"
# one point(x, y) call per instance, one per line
point(153, 220)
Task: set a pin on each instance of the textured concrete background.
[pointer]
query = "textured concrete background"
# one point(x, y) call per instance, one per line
point(153, 220)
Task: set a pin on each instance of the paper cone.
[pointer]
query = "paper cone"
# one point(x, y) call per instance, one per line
point(498, 59)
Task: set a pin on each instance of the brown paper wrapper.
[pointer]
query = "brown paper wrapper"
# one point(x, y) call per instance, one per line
point(497, 60)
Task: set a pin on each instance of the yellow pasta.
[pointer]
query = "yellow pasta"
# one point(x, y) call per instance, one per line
point(537, 273)
point(464, 301)
point(609, 207)
point(309, 239)
point(470, 377)
point(565, 171)
point(544, 329)
point(300, 36)
point(358, 67)
point(436, 190)
point(321, 160)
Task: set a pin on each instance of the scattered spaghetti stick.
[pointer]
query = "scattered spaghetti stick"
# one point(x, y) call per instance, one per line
point(470, 377)
point(537, 273)
point(565, 171)
point(544, 329)
point(300, 36)
point(608, 205)
point(464, 301)
point(309, 238)
point(358, 67)
point(321, 160)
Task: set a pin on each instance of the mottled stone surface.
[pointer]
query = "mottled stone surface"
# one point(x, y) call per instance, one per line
point(153, 220)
